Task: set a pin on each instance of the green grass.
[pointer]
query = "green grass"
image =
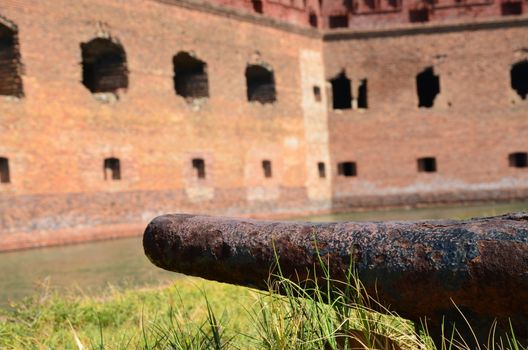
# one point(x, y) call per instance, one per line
point(197, 314)
point(122, 319)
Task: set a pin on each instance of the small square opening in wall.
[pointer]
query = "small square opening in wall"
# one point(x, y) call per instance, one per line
point(4, 171)
point(112, 169)
point(419, 15)
point(266, 167)
point(198, 165)
point(510, 8)
point(518, 160)
point(321, 169)
point(427, 165)
point(317, 93)
point(347, 169)
point(338, 21)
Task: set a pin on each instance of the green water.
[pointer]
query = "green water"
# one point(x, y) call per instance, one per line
point(453, 212)
point(90, 268)
point(84, 268)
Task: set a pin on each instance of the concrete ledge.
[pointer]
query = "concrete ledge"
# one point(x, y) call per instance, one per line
point(425, 29)
point(205, 6)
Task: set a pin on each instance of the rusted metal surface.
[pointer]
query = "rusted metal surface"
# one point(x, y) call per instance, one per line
point(418, 269)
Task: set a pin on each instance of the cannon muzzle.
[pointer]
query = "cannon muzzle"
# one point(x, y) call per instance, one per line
point(419, 269)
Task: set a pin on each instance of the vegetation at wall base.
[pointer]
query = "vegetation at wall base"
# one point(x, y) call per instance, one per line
point(198, 314)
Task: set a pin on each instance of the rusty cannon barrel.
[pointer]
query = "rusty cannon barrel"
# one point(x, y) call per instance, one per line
point(419, 269)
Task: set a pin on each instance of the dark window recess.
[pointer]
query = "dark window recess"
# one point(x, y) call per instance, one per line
point(362, 94)
point(266, 167)
point(347, 169)
point(371, 4)
point(341, 92)
point(312, 19)
point(257, 6)
point(10, 63)
point(321, 169)
point(511, 8)
point(104, 66)
point(427, 87)
point(519, 78)
point(338, 21)
point(260, 84)
point(394, 3)
point(198, 165)
point(4, 171)
point(419, 15)
point(112, 169)
point(518, 159)
point(190, 76)
point(427, 165)
point(317, 93)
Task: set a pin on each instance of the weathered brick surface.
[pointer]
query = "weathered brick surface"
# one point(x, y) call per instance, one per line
point(58, 135)
point(370, 14)
point(476, 121)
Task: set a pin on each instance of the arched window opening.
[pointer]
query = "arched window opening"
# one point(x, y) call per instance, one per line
point(10, 62)
point(518, 159)
point(104, 66)
point(427, 86)
point(4, 171)
point(260, 84)
point(112, 169)
point(190, 76)
point(519, 78)
point(341, 92)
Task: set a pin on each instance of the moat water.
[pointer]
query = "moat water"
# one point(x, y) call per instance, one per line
point(92, 268)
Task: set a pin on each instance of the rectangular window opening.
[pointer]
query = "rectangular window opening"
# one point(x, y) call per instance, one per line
point(518, 160)
point(199, 166)
point(338, 21)
point(321, 169)
point(257, 6)
point(312, 19)
point(266, 167)
point(347, 169)
point(4, 171)
point(427, 165)
point(362, 95)
point(511, 8)
point(419, 15)
point(112, 169)
point(317, 93)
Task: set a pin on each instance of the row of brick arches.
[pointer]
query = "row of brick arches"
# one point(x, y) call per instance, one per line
point(112, 167)
point(104, 70)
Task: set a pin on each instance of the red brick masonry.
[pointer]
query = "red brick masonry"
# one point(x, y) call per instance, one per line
point(56, 135)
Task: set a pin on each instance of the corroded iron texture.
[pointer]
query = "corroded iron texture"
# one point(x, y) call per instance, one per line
point(418, 269)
